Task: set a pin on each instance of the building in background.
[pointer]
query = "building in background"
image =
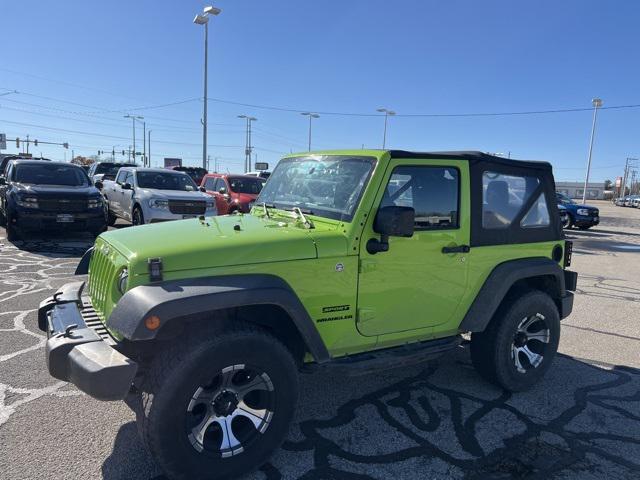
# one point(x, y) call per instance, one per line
point(595, 191)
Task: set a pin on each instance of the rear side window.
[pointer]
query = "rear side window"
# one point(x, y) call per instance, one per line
point(433, 192)
point(538, 214)
point(504, 196)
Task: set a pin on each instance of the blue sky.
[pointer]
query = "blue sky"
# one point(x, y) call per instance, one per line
point(79, 65)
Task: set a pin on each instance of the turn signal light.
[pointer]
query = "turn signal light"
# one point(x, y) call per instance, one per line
point(152, 322)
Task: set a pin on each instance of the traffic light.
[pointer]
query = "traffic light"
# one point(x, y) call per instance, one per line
point(123, 153)
point(35, 143)
point(17, 143)
point(65, 145)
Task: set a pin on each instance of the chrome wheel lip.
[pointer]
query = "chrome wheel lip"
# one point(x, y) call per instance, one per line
point(261, 418)
point(522, 356)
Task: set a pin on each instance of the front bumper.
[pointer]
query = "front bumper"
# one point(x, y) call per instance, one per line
point(590, 221)
point(28, 219)
point(79, 349)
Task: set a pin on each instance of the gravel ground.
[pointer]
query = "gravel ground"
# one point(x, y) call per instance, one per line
point(433, 421)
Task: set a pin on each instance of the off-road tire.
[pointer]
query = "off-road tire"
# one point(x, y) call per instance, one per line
point(168, 386)
point(491, 350)
point(137, 218)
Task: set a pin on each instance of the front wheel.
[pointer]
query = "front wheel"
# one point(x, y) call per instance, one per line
point(137, 218)
point(218, 407)
point(519, 345)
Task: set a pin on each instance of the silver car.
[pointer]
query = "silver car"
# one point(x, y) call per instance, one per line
point(148, 195)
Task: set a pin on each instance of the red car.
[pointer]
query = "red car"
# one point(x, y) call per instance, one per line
point(233, 193)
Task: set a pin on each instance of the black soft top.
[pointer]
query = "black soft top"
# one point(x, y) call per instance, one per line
point(472, 157)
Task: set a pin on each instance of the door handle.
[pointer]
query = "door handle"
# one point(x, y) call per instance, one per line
point(456, 249)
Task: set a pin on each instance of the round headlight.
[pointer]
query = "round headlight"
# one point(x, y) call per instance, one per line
point(123, 278)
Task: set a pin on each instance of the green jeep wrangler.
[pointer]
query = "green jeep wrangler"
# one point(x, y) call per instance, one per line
point(349, 260)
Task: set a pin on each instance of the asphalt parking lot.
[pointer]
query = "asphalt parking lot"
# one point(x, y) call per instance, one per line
point(433, 421)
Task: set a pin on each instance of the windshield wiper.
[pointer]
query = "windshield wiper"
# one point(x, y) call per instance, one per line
point(266, 207)
point(300, 212)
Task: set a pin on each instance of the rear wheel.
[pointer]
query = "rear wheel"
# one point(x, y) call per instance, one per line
point(519, 345)
point(218, 408)
point(137, 218)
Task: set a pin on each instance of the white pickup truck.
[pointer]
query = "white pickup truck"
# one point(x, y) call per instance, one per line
point(148, 195)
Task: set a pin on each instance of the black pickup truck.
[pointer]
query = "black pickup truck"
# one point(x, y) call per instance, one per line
point(37, 195)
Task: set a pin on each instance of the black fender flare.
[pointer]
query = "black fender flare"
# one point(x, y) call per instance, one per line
point(498, 283)
point(179, 298)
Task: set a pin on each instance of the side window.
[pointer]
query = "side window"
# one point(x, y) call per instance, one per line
point(433, 192)
point(219, 184)
point(120, 177)
point(128, 178)
point(503, 197)
point(538, 214)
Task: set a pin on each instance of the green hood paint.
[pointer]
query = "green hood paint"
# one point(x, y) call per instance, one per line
point(221, 241)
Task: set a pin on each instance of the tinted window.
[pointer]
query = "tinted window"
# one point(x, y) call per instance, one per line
point(50, 174)
point(166, 181)
point(503, 197)
point(431, 191)
point(245, 185)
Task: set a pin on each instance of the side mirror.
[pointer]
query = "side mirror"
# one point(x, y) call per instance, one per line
point(223, 191)
point(98, 184)
point(127, 186)
point(202, 189)
point(391, 222)
point(3, 181)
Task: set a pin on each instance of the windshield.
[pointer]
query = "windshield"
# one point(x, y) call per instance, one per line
point(110, 170)
point(51, 174)
point(166, 181)
point(326, 185)
point(246, 185)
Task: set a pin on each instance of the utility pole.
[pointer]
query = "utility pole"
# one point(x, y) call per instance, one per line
point(248, 148)
point(597, 103)
point(149, 148)
point(144, 144)
point(27, 144)
point(133, 122)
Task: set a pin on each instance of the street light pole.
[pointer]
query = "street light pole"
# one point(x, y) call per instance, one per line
point(311, 116)
point(387, 114)
point(203, 19)
point(149, 149)
point(597, 103)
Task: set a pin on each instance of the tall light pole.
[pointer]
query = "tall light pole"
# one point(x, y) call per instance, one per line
point(248, 148)
point(387, 114)
point(203, 19)
point(597, 103)
point(133, 121)
point(311, 116)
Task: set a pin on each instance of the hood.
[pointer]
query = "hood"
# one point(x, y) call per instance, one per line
point(56, 190)
point(217, 242)
point(174, 194)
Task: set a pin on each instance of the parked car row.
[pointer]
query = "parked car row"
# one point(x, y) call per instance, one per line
point(628, 201)
point(45, 195)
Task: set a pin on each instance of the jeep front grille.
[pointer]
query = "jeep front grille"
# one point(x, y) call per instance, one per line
point(187, 207)
point(93, 321)
point(101, 280)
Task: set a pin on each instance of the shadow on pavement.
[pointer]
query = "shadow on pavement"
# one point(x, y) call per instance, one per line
point(442, 421)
